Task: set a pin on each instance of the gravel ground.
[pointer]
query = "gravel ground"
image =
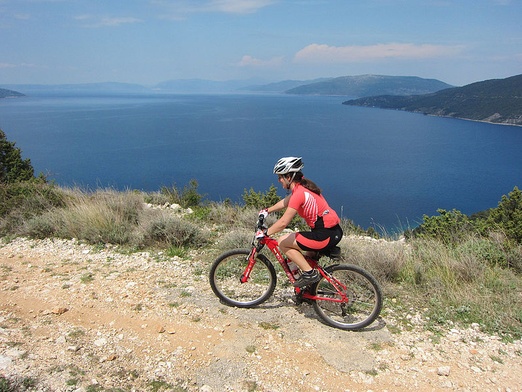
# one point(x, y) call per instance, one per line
point(79, 318)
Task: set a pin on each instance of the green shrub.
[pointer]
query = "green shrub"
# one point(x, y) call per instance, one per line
point(106, 216)
point(448, 227)
point(164, 229)
point(452, 227)
point(41, 226)
point(384, 260)
point(12, 167)
point(240, 238)
point(22, 201)
point(483, 249)
point(186, 197)
point(17, 384)
point(235, 216)
point(507, 216)
point(261, 200)
point(514, 258)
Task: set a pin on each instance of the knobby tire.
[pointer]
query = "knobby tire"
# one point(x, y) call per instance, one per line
point(226, 272)
point(363, 292)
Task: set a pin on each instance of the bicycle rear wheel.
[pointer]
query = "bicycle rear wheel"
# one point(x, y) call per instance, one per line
point(226, 272)
point(364, 298)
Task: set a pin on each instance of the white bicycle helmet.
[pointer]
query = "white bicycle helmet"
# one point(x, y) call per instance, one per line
point(288, 165)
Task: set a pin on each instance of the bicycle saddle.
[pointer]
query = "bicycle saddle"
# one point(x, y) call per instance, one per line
point(334, 253)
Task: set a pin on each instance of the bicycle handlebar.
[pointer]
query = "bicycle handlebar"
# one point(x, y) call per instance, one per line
point(261, 222)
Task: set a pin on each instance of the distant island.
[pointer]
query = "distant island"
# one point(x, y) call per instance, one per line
point(495, 101)
point(369, 85)
point(4, 93)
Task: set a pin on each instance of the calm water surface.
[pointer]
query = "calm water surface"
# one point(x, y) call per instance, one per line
point(376, 167)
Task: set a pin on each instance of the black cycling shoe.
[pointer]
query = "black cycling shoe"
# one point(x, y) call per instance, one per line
point(308, 278)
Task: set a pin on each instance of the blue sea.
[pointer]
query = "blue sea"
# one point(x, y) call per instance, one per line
point(380, 168)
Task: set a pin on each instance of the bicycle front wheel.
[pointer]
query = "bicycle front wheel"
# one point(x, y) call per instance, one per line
point(364, 298)
point(226, 272)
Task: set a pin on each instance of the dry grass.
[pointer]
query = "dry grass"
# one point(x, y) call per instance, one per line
point(109, 216)
point(468, 283)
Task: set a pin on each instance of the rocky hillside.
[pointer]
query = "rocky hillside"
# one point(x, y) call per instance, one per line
point(495, 101)
point(81, 318)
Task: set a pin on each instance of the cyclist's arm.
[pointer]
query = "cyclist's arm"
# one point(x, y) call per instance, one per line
point(282, 222)
point(279, 205)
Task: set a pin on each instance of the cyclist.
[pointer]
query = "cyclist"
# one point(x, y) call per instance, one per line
point(304, 198)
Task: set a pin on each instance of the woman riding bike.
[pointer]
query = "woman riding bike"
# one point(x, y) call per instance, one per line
point(305, 199)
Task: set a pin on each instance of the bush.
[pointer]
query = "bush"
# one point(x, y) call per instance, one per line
point(23, 201)
point(383, 259)
point(452, 227)
point(259, 200)
point(240, 238)
point(162, 228)
point(449, 227)
point(17, 384)
point(507, 216)
point(105, 216)
point(187, 197)
point(483, 249)
point(12, 167)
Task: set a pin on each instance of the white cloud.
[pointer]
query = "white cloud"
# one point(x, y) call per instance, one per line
point(249, 61)
point(177, 9)
point(239, 6)
point(317, 53)
point(92, 21)
point(118, 21)
point(22, 16)
point(22, 65)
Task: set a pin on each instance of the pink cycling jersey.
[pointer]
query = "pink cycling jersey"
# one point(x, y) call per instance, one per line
point(311, 206)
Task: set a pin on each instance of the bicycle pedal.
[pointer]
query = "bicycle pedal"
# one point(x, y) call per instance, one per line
point(298, 299)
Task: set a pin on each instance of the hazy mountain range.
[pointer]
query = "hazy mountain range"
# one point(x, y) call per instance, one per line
point(348, 86)
point(496, 101)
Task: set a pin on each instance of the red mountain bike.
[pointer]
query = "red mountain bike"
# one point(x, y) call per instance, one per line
point(347, 296)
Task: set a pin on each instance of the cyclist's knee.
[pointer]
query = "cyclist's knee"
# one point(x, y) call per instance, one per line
point(288, 242)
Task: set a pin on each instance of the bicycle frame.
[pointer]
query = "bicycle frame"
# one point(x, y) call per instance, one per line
point(273, 246)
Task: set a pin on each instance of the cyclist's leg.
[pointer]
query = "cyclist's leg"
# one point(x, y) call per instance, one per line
point(291, 249)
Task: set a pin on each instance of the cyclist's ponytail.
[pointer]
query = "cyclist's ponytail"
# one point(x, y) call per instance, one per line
point(308, 184)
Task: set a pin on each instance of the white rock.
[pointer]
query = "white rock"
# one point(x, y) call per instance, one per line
point(5, 362)
point(443, 371)
point(100, 342)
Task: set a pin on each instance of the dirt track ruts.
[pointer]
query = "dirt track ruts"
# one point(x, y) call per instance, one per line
point(77, 318)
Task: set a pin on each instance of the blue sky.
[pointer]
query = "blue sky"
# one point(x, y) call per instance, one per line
point(150, 41)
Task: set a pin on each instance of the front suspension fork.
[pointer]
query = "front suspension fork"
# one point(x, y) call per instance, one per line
point(251, 262)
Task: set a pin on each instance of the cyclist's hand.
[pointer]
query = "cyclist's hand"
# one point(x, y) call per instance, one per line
point(260, 234)
point(263, 213)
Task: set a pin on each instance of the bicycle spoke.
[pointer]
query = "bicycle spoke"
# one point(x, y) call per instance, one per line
point(225, 279)
point(361, 303)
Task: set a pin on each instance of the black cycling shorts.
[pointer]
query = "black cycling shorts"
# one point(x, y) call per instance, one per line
point(319, 238)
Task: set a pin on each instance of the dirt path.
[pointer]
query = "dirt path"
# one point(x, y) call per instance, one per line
point(76, 318)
